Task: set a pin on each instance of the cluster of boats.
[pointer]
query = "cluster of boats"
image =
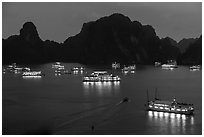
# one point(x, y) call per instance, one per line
point(26, 71)
point(103, 76)
point(15, 69)
point(125, 69)
point(172, 64)
point(60, 69)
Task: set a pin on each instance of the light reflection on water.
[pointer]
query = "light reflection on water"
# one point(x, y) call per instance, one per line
point(171, 121)
point(101, 88)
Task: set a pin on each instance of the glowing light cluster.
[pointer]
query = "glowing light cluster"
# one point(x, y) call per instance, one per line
point(115, 65)
point(161, 105)
point(33, 73)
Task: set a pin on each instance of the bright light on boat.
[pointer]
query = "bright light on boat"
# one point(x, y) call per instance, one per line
point(178, 115)
point(166, 108)
point(32, 76)
point(172, 108)
point(32, 73)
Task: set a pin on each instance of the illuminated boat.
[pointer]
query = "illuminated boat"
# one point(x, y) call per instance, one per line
point(170, 106)
point(115, 65)
point(129, 68)
point(57, 65)
point(32, 74)
point(78, 69)
point(171, 64)
point(168, 66)
point(101, 76)
point(15, 69)
point(61, 72)
point(12, 66)
point(195, 67)
point(156, 64)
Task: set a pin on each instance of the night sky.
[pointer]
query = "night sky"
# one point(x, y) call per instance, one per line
point(58, 21)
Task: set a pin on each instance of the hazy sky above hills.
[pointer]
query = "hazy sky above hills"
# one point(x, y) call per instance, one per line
point(58, 21)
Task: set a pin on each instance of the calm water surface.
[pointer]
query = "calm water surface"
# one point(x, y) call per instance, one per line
point(65, 105)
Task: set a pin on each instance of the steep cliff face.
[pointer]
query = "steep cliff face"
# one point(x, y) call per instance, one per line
point(24, 48)
point(114, 38)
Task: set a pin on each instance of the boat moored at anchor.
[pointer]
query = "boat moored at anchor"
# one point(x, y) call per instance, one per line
point(101, 76)
point(169, 106)
point(33, 74)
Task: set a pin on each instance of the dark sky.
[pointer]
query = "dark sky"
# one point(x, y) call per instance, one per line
point(58, 21)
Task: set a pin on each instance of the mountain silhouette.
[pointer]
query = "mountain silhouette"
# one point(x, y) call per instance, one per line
point(193, 54)
point(185, 43)
point(106, 40)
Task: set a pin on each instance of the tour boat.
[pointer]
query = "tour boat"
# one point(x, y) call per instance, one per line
point(129, 68)
point(78, 69)
point(171, 64)
point(156, 64)
point(101, 76)
point(32, 74)
point(61, 72)
point(15, 69)
point(12, 66)
point(168, 66)
point(169, 106)
point(115, 65)
point(195, 67)
point(57, 65)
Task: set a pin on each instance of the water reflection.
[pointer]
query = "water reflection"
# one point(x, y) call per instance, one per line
point(101, 88)
point(171, 122)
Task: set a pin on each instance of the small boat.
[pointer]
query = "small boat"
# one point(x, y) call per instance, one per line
point(26, 69)
point(78, 69)
point(169, 106)
point(57, 65)
point(171, 64)
point(13, 68)
point(126, 99)
point(101, 76)
point(167, 66)
point(129, 68)
point(157, 64)
point(32, 74)
point(195, 67)
point(61, 72)
point(115, 65)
